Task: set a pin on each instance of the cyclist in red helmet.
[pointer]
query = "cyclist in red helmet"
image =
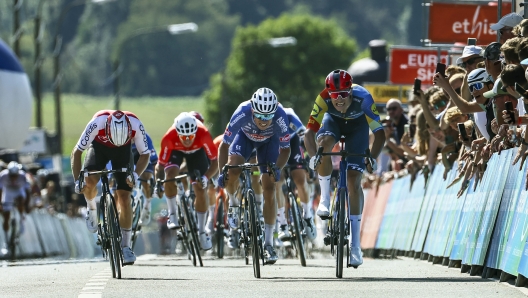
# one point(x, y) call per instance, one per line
point(344, 109)
point(108, 137)
point(197, 115)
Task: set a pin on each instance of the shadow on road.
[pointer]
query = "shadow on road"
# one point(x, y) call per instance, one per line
point(378, 279)
point(152, 278)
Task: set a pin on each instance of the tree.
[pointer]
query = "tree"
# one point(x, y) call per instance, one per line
point(295, 73)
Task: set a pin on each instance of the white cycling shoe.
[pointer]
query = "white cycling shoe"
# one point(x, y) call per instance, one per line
point(323, 209)
point(356, 257)
point(309, 228)
point(209, 226)
point(91, 220)
point(205, 241)
point(284, 233)
point(173, 223)
point(128, 256)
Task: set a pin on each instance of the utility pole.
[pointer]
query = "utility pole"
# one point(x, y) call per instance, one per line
point(16, 26)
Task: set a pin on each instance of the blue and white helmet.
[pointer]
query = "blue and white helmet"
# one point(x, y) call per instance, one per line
point(14, 168)
point(264, 101)
point(479, 75)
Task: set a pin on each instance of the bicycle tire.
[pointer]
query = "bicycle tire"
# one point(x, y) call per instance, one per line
point(115, 246)
point(219, 234)
point(13, 240)
point(192, 229)
point(341, 233)
point(299, 243)
point(245, 231)
point(255, 243)
point(185, 238)
point(136, 227)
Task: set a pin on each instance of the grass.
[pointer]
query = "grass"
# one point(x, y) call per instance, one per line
point(156, 113)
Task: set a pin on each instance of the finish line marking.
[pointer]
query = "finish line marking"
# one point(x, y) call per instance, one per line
point(95, 286)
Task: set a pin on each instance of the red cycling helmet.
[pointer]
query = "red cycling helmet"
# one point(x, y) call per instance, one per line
point(118, 128)
point(197, 116)
point(338, 80)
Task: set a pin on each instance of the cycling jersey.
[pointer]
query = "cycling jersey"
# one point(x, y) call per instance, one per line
point(362, 105)
point(217, 141)
point(171, 142)
point(242, 120)
point(95, 132)
point(296, 124)
point(153, 154)
point(13, 188)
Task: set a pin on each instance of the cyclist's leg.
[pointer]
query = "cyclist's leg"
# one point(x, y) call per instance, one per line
point(94, 160)
point(7, 216)
point(211, 194)
point(172, 169)
point(239, 151)
point(298, 174)
point(146, 188)
point(327, 136)
point(255, 182)
point(284, 231)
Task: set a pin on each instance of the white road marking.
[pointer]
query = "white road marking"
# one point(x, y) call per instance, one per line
point(95, 286)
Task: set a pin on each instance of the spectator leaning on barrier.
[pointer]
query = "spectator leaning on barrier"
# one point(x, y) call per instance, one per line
point(506, 24)
point(511, 75)
point(499, 98)
point(468, 61)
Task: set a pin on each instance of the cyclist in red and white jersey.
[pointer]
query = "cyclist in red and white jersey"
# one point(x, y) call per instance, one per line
point(108, 137)
point(188, 138)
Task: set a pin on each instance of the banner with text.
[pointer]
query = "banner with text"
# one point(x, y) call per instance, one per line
point(408, 63)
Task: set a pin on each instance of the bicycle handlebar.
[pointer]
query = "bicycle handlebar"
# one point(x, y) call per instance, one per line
point(342, 153)
point(248, 166)
point(84, 174)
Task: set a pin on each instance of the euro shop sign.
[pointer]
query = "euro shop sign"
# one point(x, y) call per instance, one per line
point(406, 64)
point(456, 22)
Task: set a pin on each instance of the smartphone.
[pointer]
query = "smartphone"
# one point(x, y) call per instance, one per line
point(462, 131)
point(440, 67)
point(412, 130)
point(509, 107)
point(521, 90)
point(472, 41)
point(406, 128)
point(417, 86)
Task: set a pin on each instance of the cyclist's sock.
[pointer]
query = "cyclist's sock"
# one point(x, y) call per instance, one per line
point(201, 221)
point(355, 225)
point(233, 201)
point(211, 212)
point(281, 217)
point(307, 210)
point(268, 230)
point(127, 235)
point(258, 199)
point(171, 205)
point(324, 182)
point(92, 205)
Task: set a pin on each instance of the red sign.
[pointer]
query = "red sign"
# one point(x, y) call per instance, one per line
point(406, 64)
point(456, 22)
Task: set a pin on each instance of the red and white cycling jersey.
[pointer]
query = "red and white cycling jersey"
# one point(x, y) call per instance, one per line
point(95, 132)
point(171, 142)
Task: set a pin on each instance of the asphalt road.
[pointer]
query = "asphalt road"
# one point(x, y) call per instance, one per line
point(171, 276)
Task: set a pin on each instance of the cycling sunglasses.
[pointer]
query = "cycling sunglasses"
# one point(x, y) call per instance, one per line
point(187, 138)
point(476, 86)
point(263, 117)
point(342, 93)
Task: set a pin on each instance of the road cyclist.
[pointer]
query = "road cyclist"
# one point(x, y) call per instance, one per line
point(344, 109)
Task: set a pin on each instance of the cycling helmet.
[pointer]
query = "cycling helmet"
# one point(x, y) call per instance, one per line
point(338, 80)
point(118, 128)
point(185, 124)
point(13, 168)
point(479, 75)
point(197, 116)
point(264, 101)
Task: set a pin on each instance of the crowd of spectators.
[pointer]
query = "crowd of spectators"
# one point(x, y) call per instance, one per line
point(465, 115)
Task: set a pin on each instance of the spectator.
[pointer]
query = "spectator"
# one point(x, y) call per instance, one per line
point(505, 26)
point(452, 70)
point(522, 49)
point(470, 57)
point(439, 102)
point(492, 60)
point(456, 81)
point(511, 75)
point(509, 50)
point(398, 118)
point(453, 116)
point(500, 97)
point(521, 29)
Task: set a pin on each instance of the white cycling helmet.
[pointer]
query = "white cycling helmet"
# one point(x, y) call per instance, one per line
point(264, 101)
point(118, 128)
point(185, 124)
point(14, 168)
point(479, 75)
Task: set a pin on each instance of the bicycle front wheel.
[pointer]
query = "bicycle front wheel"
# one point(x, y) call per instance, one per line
point(219, 235)
point(13, 239)
point(136, 227)
point(299, 243)
point(191, 224)
point(341, 232)
point(114, 237)
point(255, 234)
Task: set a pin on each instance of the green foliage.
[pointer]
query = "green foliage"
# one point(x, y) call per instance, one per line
point(295, 73)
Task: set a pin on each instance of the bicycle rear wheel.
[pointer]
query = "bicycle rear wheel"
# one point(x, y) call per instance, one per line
point(244, 230)
point(13, 239)
point(255, 234)
point(114, 237)
point(192, 230)
point(299, 243)
point(136, 227)
point(341, 233)
point(219, 234)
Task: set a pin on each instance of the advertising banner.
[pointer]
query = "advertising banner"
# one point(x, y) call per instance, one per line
point(383, 92)
point(408, 63)
point(373, 215)
point(456, 22)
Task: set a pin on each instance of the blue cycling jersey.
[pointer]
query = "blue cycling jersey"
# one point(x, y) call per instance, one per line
point(296, 124)
point(242, 120)
point(153, 154)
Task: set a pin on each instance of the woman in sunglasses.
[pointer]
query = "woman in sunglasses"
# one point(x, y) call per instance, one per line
point(344, 109)
point(188, 138)
point(262, 124)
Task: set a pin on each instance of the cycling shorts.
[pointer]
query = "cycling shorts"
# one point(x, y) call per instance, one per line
point(197, 160)
point(267, 151)
point(98, 155)
point(10, 195)
point(296, 158)
point(356, 132)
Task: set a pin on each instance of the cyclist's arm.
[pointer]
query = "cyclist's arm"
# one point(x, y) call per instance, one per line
point(76, 156)
point(212, 154)
point(377, 146)
point(284, 155)
point(314, 123)
point(223, 152)
point(309, 142)
point(373, 120)
point(142, 163)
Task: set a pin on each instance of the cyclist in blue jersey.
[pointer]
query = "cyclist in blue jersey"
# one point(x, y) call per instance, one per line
point(344, 109)
point(147, 175)
point(298, 175)
point(259, 123)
